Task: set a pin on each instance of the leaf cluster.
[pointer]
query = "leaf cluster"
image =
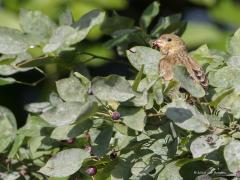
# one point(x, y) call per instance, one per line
point(139, 128)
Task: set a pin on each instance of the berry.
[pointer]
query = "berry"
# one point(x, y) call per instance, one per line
point(91, 170)
point(115, 115)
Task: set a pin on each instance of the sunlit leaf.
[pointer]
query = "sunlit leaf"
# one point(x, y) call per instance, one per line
point(8, 127)
point(232, 156)
point(71, 89)
point(65, 163)
point(187, 116)
point(113, 87)
point(206, 144)
point(186, 82)
point(148, 14)
point(148, 57)
point(69, 112)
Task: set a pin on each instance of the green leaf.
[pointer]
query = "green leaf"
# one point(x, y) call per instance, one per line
point(157, 92)
point(36, 24)
point(65, 36)
point(36, 62)
point(159, 147)
point(8, 128)
point(169, 24)
point(138, 79)
point(124, 130)
point(35, 126)
point(230, 78)
point(232, 156)
point(195, 89)
point(54, 99)
point(148, 57)
point(235, 107)
point(6, 81)
point(17, 144)
point(70, 131)
point(12, 41)
point(37, 107)
point(170, 171)
point(133, 117)
point(234, 44)
point(188, 170)
point(116, 23)
point(101, 140)
point(34, 143)
point(218, 98)
point(88, 21)
point(65, 163)
point(144, 165)
point(71, 89)
point(121, 171)
point(112, 88)
point(61, 39)
point(149, 13)
point(186, 116)
point(66, 18)
point(200, 146)
point(69, 112)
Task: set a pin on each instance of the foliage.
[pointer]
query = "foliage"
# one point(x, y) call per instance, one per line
point(113, 127)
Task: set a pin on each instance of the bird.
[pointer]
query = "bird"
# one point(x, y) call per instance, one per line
point(175, 52)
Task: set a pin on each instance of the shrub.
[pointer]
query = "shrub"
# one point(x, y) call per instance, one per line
point(113, 127)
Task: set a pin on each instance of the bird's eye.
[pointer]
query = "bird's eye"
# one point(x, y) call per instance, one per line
point(169, 39)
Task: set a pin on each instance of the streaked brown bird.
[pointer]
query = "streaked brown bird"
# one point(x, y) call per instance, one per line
point(175, 52)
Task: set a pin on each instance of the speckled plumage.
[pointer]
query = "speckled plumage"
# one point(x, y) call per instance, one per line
point(175, 52)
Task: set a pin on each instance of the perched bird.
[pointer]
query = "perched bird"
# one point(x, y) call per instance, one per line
point(175, 52)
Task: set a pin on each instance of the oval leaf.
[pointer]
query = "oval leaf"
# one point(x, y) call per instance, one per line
point(195, 89)
point(187, 116)
point(112, 88)
point(148, 57)
point(68, 112)
point(133, 117)
point(71, 89)
point(65, 163)
point(232, 155)
point(8, 126)
point(206, 144)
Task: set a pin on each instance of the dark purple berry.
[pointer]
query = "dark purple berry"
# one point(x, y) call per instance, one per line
point(115, 115)
point(91, 171)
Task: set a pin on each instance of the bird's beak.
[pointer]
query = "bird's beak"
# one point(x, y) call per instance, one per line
point(157, 44)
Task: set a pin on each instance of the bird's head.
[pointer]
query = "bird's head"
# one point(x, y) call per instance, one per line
point(169, 44)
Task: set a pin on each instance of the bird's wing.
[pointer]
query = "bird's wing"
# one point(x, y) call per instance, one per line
point(196, 72)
